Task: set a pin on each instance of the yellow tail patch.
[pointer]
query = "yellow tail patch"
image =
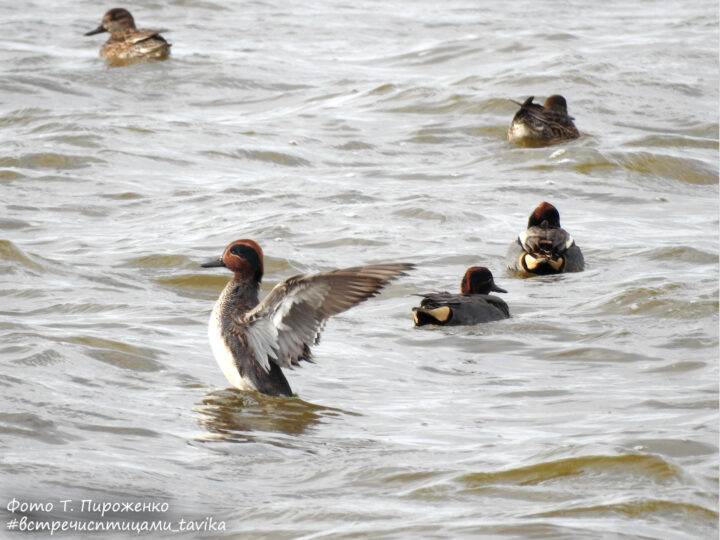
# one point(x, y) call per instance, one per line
point(441, 314)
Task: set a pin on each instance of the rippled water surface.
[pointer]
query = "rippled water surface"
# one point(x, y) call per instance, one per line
point(340, 133)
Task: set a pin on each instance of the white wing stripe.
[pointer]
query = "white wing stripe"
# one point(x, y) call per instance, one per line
point(570, 242)
point(290, 318)
point(262, 341)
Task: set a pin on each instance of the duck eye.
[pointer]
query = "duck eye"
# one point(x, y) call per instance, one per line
point(246, 252)
point(238, 250)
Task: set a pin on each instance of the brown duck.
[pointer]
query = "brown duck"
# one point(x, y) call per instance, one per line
point(127, 44)
point(545, 123)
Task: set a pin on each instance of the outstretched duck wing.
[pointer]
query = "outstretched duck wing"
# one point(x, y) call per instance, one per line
point(282, 327)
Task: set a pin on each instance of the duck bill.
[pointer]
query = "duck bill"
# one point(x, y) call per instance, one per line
point(495, 288)
point(98, 30)
point(213, 264)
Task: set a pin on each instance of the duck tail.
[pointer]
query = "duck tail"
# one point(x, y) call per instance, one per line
point(439, 315)
point(525, 104)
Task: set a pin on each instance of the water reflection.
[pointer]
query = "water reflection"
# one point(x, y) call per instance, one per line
point(235, 416)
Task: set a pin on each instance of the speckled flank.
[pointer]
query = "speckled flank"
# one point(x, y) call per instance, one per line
point(221, 350)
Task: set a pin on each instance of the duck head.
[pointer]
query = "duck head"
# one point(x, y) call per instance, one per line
point(115, 20)
point(544, 242)
point(244, 258)
point(556, 103)
point(546, 216)
point(479, 280)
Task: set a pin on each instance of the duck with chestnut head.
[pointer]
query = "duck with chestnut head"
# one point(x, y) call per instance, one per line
point(544, 247)
point(473, 305)
point(252, 339)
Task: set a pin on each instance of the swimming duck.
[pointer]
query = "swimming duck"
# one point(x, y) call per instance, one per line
point(126, 43)
point(472, 306)
point(548, 123)
point(545, 247)
point(252, 340)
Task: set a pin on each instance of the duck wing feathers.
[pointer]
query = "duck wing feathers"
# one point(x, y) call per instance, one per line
point(433, 300)
point(464, 303)
point(546, 240)
point(542, 119)
point(281, 328)
point(136, 36)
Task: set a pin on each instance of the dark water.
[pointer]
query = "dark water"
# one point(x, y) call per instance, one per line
point(338, 134)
